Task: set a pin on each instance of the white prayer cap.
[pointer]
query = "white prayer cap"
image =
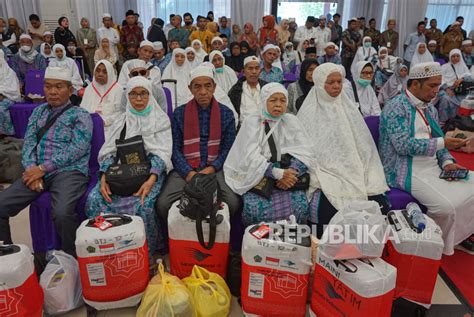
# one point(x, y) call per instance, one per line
point(291, 20)
point(106, 15)
point(322, 17)
point(268, 47)
point(425, 70)
point(157, 45)
point(216, 38)
point(47, 33)
point(432, 42)
point(466, 42)
point(214, 53)
point(202, 71)
point(136, 63)
point(146, 43)
point(287, 44)
point(60, 73)
point(354, 19)
point(25, 36)
point(329, 44)
point(250, 59)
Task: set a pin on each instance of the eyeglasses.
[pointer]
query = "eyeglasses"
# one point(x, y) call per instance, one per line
point(142, 95)
point(137, 73)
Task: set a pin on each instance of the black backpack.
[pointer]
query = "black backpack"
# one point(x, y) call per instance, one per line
point(200, 201)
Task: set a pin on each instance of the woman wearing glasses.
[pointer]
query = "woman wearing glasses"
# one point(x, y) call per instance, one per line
point(143, 117)
point(368, 102)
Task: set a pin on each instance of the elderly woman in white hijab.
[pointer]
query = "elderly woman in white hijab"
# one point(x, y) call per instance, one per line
point(384, 67)
point(348, 164)
point(179, 70)
point(368, 102)
point(365, 53)
point(200, 52)
point(395, 84)
point(61, 60)
point(144, 118)
point(191, 57)
point(225, 76)
point(421, 55)
point(271, 147)
point(277, 63)
point(9, 93)
point(103, 95)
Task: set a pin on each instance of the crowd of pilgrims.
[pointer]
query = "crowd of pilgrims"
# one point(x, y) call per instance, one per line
point(229, 103)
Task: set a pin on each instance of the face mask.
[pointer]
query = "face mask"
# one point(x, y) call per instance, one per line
point(220, 70)
point(363, 82)
point(269, 116)
point(142, 113)
point(25, 48)
point(367, 44)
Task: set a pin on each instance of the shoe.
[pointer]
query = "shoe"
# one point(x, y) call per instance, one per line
point(467, 245)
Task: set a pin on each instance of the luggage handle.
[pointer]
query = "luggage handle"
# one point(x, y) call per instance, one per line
point(174, 81)
point(9, 249)
point(115, 219)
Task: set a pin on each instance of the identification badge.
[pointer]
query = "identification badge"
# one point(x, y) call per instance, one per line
point(86, 41)
point(389, 44)
point(261, 232)
point(101, 223)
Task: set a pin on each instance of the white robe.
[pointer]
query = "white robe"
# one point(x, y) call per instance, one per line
point(112, 35)
point(9, 84)
point(69, 63)
point(181, 75)
point(368, 102)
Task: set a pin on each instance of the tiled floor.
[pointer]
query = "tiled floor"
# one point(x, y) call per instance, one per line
point(21, 234)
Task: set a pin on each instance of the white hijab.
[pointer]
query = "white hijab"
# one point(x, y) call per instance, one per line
point(200, 54)
point(460, 69)
point(51, 54)
point(249, 156)
point(388, 62)
point(196, 62)
point(368, 102)
point(69, 63)
point(421, 58)
point(104, 99)
point(154, 127)
point(181, 74)
point(227, 78)
point(363, 54)
point(348, 164)
point(9, 84)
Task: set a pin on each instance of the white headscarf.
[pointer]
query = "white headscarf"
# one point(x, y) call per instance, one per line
point(201, 53)
point(227, 78)
point(42, 50)
point(30, 56)
point(394, 85)
point(388, 62)
point(181, 74)
point(368, 102)
point(66, 62)
point(196, 62)
point(154, 127)
point(348, 164)
point(421, 58)
point(104, 99)
point(363, 54)
point(9, 84)
point(249, 156)
point(460, 69)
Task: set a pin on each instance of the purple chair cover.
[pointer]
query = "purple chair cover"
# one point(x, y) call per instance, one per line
point(169, 101)
point(373, 124)
point(42, 228)
point(20, 113)
point(290, 77)
point(34, 81)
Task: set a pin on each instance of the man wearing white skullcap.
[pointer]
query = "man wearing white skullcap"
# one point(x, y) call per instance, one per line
point(56, 159)
point(145, 53)
point(414, 151)
point(108, 31)
point(330, 55)
point(27, 59)
point(322, 35)
point(245, 94)
point(203, 133)
point(270, 73)
point(466, 50)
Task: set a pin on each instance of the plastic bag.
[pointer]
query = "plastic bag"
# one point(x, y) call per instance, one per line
point(210, 293)
point(61, 283)
point(166, 296)
point(359, 232)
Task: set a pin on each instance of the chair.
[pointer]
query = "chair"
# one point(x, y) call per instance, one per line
point(34, 81)
point(169, 101)
point(43, 231)
point(290, 77)
point(20, 113)
point(398, 198)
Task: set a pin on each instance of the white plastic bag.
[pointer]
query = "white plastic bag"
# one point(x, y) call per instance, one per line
point(61, 284)
point(356, 231)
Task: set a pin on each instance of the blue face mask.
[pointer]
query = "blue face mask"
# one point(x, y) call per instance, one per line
point(367, 44)
point(142, 113)
point(270, 117)
point(363, 82)
point(220, 70)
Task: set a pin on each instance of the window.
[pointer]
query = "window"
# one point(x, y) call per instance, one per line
point(301, 10)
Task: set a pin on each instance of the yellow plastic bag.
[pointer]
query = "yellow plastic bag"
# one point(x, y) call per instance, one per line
point(210, 293)
point(166, 296)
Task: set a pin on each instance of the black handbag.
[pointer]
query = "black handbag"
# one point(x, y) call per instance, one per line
point(126, 178)
point(265, 187)
point(464, 86)
point(303, 180)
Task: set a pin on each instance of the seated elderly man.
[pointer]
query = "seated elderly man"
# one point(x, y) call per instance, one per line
point(414, 152)
point(245, 94)
point(203, 133)
point(270, 73)
point(55, 157)
point(27, 59)
point(330, 55)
